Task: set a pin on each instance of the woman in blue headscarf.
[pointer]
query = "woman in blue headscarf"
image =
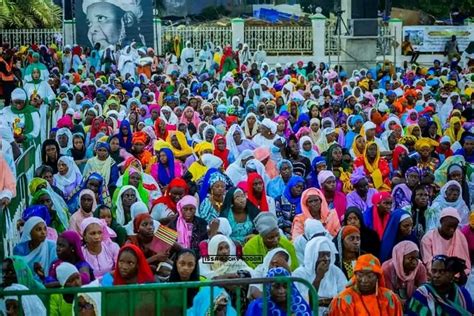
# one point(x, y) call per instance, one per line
point(212, 195)
point(288, 204)
point(277, 185)
point(166, 168)
point(399, 228)
point(303, 120)
point(354, 130)
point(125, 135)
point(95, 183)
point(276, 294)
point(318, 164)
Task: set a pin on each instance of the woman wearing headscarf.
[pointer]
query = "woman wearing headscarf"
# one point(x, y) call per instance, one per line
point(166, 168)
point(50, 154)
point(405, 272)
point(191, 228)
point(377, 216)
point(30, 304)
point(68, 178)
point(362, 195)
point(256, 193)
point(446, 239)
point(250, 125)
point(288, 204)
point(221, 245)
point(221, 151)
point(103, 212)
point(104, 165)
point(341, 169)
point(190, 117)
point(98, 249)
point(336, 200)
point(15, 269)
point(347, 243)
point(69, 249)
point(277, 185)
point(55, 206)
point(262, 154)
point(179, 145)
point(358, 147)
point(277, 298)
point(87, 205)
point(455, 129)
point(212, 205)
point(375, 167)
point(64, 139)
point(38, 252)
point(164, 208)
point(313, 205)
point(449, 196)
point(236, 170)
point(237, 142)
point(125, 135)
point(240, 213)
point(442, 296)
point(366, 293)
point(126, 196)
point(319, 269)
point(468, 231)
point(399, 228)
point(267, 239)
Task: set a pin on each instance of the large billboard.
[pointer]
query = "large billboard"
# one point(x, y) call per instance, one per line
point(433, 38)
point(112, 22)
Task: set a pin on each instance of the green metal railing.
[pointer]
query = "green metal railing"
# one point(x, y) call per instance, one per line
point(165, 298)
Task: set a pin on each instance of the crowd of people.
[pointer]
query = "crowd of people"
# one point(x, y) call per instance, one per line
point(212, 165)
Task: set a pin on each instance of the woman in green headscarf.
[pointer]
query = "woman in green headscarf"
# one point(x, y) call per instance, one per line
point(57, 210)
point(37, 87)
point(134, 177)
point(35, 63)
point(16, 270)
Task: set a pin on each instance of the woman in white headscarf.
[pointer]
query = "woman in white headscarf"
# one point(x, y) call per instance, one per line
point(61, 111)
point(312, 228)
point(303, 144)
point(64, 145)
point(236, 170)
point(237, 142)
point(250, 128)
point(120, 207)
point(167, 115)
point(320, 255)
point(68, 178)
point(31, 305)
point(127, 61)
point(221, 245)
point(36, 250)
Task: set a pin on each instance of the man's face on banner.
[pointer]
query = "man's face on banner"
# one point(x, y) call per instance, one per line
point(104, 21)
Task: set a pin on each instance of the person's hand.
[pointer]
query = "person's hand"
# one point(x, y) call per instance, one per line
point(213, 227)
point(278, 143)
point(39, 270)
point(19, 138)
point(159, 257)
point(4, 201)
point(321, 269)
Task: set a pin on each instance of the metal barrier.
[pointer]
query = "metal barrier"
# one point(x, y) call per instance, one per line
point(162, 295)
point(281, 40)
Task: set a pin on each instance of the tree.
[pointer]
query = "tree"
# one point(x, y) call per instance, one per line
point(28, 14)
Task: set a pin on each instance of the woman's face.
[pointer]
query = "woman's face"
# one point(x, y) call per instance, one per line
point(38, 233)
point(272, 239)
point(352, 242)
point(413, 179)
point(314, 111)
point(385, 206)
point(63, 140)
point(175, 142)
point(307, 146)
point(186, 263)
point(372, 151)
point(102, 153)
point(422, 198)
point(62, 168)
point(106, 214)
point(406, 227)
point(218, 188)
point(240, 200)
point(134, 179)
point(129, 197)
point(360, 143)
point(223, 249)
point(362, 187)
point(48, 176)
point(452, 193)
point(281, 126)
point(93, 234)
point(163, 158)
point(337, 154)
point(314, 204)
point(278, 293)
point(78, 143)
point(237, 137)
point(45, 200)
point(416, 132)
point(86, 203)
point(258, 186)
point(146, 228)
point(410, 261)
point(456, 175)
point(177, 193)
point(353, 220)
point(209, 135)
point(128, 265)
point(9, 274)
point(51, 152)
point(330, 184)
point(188, 212)
point(93, 185)
point(64, 251)
point(285, 170)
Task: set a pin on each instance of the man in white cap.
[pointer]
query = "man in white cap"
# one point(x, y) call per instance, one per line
point(113, 22)
point(24, 120)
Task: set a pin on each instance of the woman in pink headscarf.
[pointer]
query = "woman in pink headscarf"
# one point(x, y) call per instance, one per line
point(191, 228)
point(405, 272)
point(190, 116)
point(262, 154)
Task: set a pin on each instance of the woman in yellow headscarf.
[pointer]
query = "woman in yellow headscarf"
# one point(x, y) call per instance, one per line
point(454, 130)
point(358, 146)
point(425, 146)
point(179, 145)
point(376, 168)
point(413, 130)
point(198, 169)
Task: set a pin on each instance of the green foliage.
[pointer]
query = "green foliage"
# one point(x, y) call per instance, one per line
point(27, 14)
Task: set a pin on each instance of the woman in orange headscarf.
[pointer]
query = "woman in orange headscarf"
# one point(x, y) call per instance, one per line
point(139, 141)
point(366, 293)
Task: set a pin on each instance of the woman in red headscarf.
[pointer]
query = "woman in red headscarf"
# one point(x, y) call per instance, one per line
point(256, 192)
point(161, 130)
point(377, 216)
point(164, 208)
point(95, 127)
point(220, 150)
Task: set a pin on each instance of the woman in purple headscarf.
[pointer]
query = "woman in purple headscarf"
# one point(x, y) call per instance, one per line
point(361, 197)
point(402, 192)
point(68, 249)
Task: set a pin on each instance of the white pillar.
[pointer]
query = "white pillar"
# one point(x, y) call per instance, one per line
point(318, 22)
point(238, 25)
point(68, 32)
point(396, 30)
point(158, 34)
